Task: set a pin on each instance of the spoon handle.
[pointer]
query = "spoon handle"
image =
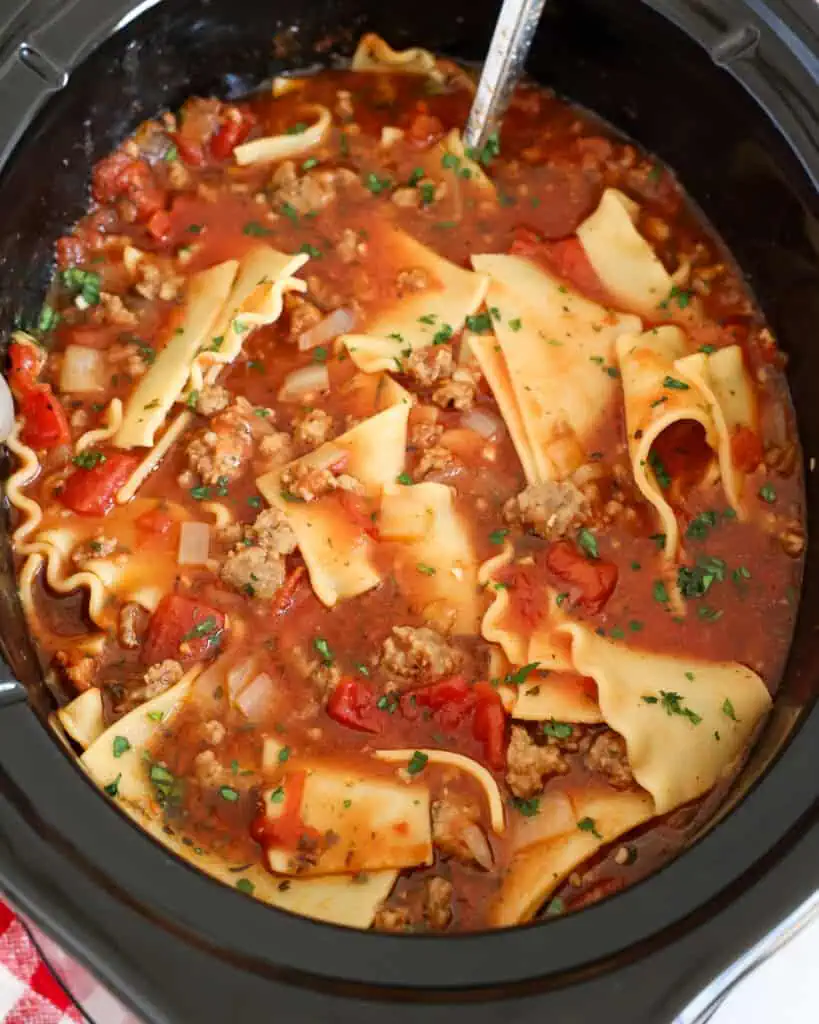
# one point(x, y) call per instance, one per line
point(514, 31)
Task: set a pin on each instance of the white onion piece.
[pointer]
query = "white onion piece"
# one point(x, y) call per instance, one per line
point(6, 410)
point(194, 544)
point(82, 370)
point(238, 677)
point(487, 424)
point(255, 699)
point(555, 817)
point(304, 381)
point(340, 321)
point(474, 837)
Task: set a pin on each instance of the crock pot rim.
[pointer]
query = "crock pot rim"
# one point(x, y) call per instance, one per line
point(379, 960)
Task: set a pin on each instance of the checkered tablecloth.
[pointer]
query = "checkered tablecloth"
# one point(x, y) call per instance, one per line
point(29, 992)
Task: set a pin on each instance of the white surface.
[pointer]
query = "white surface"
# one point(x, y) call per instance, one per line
point(781, 990)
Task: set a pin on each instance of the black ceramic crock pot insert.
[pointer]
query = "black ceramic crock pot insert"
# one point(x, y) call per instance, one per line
point(727, 92)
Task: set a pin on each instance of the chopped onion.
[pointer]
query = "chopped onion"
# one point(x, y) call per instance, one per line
point(487, 424)
point(340, 321)
point(238, 676)
point(82, 370)
point(304, 381)
point(255, 699)
point(555, 817)
point(6, 410)
point(194, 543)
point(474, 838)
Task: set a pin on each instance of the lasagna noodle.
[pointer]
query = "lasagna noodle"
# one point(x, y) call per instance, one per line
point(522, 643)
point(156, 392)
point(379, 821)
point(625, 263)
point(662, 385)
point(434, 562)
point(341, 899)
point(31, 513)
point(674, 756)
point(338, 552)
point(256, 300)
point(374, 54)
point(558, 697)
point(558, 349)
point(83, 719)
point(413, 321)
point(99, 435)
point(449, 759)
point(285, 147)
point(558, 845)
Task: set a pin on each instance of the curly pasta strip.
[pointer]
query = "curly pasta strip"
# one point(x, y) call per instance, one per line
point(113, 420)
point(30, 510)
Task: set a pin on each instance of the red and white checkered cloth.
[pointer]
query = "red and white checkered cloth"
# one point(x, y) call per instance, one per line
point(29, 992)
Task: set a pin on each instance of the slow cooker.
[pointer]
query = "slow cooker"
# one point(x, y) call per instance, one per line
point(727, 93)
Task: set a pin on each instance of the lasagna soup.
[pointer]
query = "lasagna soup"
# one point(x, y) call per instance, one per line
point(412, 533)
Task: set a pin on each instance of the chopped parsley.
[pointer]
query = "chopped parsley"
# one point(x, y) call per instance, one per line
point(728, 709)
point(299, 128)
point(246, 886)
point(672, 704)
point(229, 793)
point(377, 185)
point(516, 324)
point(522, 674)
point(417, 763)
point(253, 227)
point(660, 473)
point(444, 333)
point(89, 459)
point(112, 789)
point(767, 493)
point(589, 825)
point(660, 592)
point(83, 283)
point(682, 296)
point(700, 525)
point(697, 581)
point(415, 176)
point(425, 570)
point(388, 702)
point(480, 323)
point(558, 730)
point(310, 250)
point(320, 354)
point(588, 542)
point(309, 163)
point(404, 478)
point(290, 212)
point(488, 151)
point(121, 745)
point(555, 907)
point(427, 191)
point(675, 385)
point(204, 628)
point(323, 648)
point(528, 808)
point(277, 796)
point(498, 536)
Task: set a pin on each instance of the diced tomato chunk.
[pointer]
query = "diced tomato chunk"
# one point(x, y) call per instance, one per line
point(566, 258)
point(446, 691)
point(190, 151)
point(154, 521)
point(44, 421)
point(159, 226)
point(287, 829)
point(25, 363)
point(283, 599)
point(358, 511)
point(183, 629)
point(591, 581)
point(120, 176)
point(353, 704)
point(92, 492)
point(71, 252)
point(746, 449)
point(528, 596)
point(234, 129)
point(489, 725)
point(424, 129)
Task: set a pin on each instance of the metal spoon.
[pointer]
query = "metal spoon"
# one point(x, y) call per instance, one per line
point(514, 32)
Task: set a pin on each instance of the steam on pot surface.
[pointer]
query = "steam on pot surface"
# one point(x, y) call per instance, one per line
point(418, 528)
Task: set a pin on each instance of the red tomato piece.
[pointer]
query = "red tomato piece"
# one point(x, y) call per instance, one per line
point(120, 176)
point(71, 252)
point(190, 151)
point(156, 521)
point(746, 449)
point(45, 424)
point(453, 689)
point(234, 129)
point(353, 704)
point(489, 725)
point(528, 596)
point(592, 582)
point(159, 226)
point(566, 258)
point(25, 363)
point(183, 629)
point(287, 591)
point(287, 829)
point(92, 492)
point(424, 129)
point(358, 511)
